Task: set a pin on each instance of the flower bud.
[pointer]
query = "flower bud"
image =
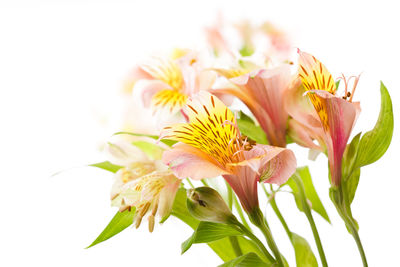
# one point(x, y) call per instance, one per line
point(206, 204)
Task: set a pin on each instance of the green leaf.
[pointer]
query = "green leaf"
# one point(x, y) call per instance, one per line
point(208, 231)
point(374, 143)
point(304, 255)
point(311, 193)
point(251, 130)
point(351, 184)
point(106, 165)
point(151, 150)
point(155, 137)
point(119, 222)
point(221, 247)
point(247, 260)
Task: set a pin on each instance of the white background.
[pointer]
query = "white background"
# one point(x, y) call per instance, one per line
point(61, 68)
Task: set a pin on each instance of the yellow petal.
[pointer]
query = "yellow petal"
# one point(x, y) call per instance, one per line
point(173, 100)
point(314, 75)
point(212, 128)
point(167, 71)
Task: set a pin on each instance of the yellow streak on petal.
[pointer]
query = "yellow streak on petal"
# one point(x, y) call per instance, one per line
point(167, 71)
point(211, 128)
point(315, 76)
point(172, 100)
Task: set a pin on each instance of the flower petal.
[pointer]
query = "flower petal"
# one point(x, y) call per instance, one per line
point(188, 161)
point(273, 164)
point(212, 128)
point(314, 75)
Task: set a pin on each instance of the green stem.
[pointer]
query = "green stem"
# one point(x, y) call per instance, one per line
point(257, 241)
point(278, 213)
point(235, 245)
point(204, 182)
point(310, 218)
point(258, 219)
point(358, 242)
point(189, 182)
point(341, 203)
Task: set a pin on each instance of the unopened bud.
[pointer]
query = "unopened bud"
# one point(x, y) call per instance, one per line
point(206, 204)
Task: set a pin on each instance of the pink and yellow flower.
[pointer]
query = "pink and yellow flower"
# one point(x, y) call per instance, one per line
point(211, 145)
point(333, 117)
point(143, 183)
point(172, 80)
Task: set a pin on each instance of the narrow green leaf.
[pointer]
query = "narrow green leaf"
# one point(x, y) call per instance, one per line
point(151, 150)
point(374, 143)
point(208, 231)
point(155, 137)
point(351, 184)
point(304, 255)
point(106, 165)
point(247, 260)
point(349, 157)
point(311, 193)
point(119, 222)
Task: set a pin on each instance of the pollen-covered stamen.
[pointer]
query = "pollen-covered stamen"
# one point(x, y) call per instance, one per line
point(347, 93)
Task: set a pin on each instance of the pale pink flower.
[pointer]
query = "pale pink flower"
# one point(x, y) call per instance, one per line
point(211, 145)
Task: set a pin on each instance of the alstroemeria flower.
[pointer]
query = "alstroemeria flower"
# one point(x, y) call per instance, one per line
point(144, 183)
point(335, 115)
point(262, 91)
point(172, 80)
point(211, 145)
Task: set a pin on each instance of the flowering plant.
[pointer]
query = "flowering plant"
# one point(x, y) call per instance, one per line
point(200, 135)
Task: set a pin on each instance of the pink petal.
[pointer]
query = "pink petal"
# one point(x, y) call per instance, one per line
point(342, 116)
point(187, 161)
point(303, 113)
point(148, 88)
point(275, 164)
point(301, 135)
point(267, 88)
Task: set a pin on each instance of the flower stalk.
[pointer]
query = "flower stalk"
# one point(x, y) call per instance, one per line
point(339, 198)
point(258, 219)
point(310, 218)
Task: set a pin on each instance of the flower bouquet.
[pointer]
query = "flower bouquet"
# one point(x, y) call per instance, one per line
point(224, 117)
